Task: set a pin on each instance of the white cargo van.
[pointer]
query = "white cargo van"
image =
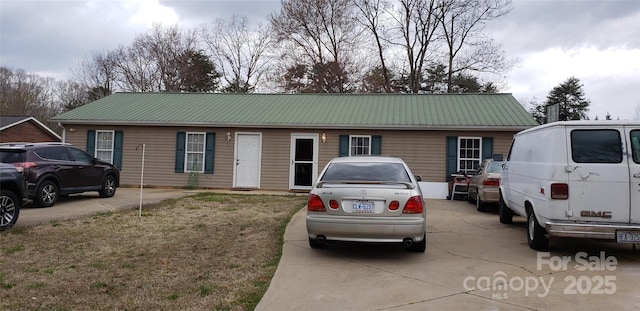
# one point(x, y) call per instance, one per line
point(574, 179)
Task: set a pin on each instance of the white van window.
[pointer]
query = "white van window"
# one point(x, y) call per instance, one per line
point(596, 146)
point(635, 146)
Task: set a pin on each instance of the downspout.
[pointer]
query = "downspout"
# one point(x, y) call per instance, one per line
point(64, 133)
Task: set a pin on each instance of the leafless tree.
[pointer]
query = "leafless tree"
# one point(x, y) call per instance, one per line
point(242, 54)
point(416, 22)
point(98, 73)
point(371, 14)
point(23, 93)
point(467, 46)
point(152, 62)
point(319, 34)
point(70, 94)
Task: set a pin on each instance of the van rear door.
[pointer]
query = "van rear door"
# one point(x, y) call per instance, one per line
point(598, 174)
point(633, 143)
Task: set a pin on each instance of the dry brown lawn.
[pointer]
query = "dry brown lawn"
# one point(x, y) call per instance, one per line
point(204, 252)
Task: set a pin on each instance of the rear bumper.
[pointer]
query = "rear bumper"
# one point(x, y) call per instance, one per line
point(490, 194)
point(587, 230)
point(366, 229)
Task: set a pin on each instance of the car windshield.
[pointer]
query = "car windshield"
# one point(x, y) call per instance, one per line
point(366, 171)
point(494, 167)
point(11, 156)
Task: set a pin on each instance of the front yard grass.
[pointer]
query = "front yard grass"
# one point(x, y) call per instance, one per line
point(204, 252)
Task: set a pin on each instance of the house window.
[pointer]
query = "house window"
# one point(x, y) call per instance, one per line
point(360, 145)
point(104, 146)
point(195, 152)
point(469, 154)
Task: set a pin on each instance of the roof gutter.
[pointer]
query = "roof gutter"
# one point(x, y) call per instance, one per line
point(506, 128)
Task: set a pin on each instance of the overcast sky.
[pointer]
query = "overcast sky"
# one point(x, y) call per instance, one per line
point(598, 42)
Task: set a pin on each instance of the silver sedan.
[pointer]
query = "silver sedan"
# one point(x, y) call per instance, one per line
point(367, 199)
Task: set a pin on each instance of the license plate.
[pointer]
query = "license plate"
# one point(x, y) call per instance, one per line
point(363, 207)
point(627, 236)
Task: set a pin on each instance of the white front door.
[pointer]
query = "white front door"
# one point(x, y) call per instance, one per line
point(633, 143)
point(248, 155)
point(304, 161)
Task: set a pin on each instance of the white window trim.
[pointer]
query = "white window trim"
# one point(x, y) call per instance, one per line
point(458, 151)
point(359, 136)
point(187, 152)
point(113, 141)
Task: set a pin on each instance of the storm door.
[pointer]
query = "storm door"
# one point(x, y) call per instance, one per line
point(304, 161)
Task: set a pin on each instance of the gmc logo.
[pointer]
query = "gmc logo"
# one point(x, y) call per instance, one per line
point(598, 214)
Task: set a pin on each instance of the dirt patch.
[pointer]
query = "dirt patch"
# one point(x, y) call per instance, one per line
point(208, 251)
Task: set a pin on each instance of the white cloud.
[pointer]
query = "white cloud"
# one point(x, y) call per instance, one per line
point(610, 77)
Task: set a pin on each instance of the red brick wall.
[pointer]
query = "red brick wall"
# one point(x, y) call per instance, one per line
point(26, 132)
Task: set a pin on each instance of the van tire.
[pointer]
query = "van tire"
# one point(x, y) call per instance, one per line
point(506, 214)
point(536, 234)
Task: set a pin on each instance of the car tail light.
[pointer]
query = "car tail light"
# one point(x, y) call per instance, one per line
point(20, 166)
point(559, 191)
point(394, 205)
point(491, 182)
point(314, 204)
point(413, 206)
point(333, 204)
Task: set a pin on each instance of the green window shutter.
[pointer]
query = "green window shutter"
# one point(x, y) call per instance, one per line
point(344, 146)
point(452, 155)
point(487, 148)
point(376, 145)
point(117, 150)
point(91, 142)
point(180, 145)
point(209, 152)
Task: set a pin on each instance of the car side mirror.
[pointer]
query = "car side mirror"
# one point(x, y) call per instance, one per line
point(418, 178)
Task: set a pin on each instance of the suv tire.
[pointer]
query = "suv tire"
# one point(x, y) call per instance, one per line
point(47, 194)
point(536, 233)
point(108, 188)
point(9, 209)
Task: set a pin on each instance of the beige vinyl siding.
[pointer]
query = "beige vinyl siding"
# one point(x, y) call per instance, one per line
point(424, 152)
point(160, 151)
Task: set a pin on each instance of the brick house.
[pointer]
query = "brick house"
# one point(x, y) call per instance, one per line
point(25, 129)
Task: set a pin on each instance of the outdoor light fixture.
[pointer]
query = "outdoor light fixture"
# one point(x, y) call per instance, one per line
point(324, 137)
point(228, 136)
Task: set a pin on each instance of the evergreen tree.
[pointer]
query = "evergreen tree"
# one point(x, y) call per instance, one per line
point(570, 96)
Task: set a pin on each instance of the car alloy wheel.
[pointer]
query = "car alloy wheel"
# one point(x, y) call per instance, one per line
point(9, 209)
point(108, 187)
point(47, 194)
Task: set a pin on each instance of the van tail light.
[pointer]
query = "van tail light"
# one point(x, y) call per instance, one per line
point(414, 205)
point(560, 191)
point(394, 205)
point(314, 204)
point(20, 166)
point(491, 182)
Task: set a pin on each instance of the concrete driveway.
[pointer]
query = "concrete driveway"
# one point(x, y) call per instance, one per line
point(75, 206)
point(472, 262)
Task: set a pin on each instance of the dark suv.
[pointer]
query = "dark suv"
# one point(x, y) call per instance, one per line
point(12, 194)
point(56, 169)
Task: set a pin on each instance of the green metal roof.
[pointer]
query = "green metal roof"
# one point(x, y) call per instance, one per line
point(401, 111)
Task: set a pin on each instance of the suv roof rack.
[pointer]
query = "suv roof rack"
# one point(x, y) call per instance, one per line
point(30, 144)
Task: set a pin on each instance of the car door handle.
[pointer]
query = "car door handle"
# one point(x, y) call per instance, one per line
point(637, 175)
